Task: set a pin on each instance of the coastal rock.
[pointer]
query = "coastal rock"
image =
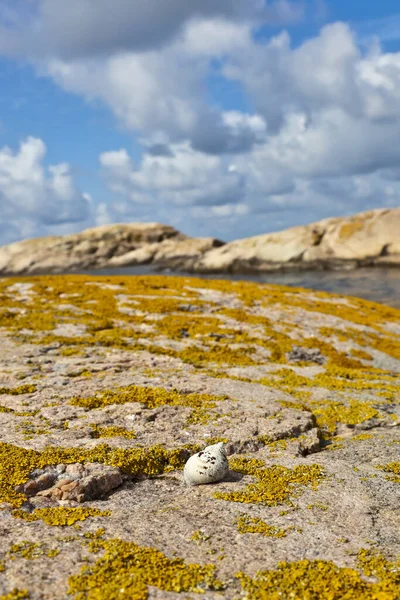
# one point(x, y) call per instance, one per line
point(169, 253)
point(364, 239)
point(103, 247)
point(300, 387)
point(73, 483)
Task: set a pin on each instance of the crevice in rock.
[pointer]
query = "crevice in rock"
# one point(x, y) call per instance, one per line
point(318, 236)
point(385, 250)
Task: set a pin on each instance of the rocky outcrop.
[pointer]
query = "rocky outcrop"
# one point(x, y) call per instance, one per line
point(97, 423)
point(103, 247)
point(365, 239)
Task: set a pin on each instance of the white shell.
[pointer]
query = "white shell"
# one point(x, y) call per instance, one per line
point(207, 466)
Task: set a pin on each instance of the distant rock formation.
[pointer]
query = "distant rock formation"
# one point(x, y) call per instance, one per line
point(103, 247)
point(366, 239)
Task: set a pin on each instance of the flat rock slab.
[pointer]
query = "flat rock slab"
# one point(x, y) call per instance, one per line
point(109, 384)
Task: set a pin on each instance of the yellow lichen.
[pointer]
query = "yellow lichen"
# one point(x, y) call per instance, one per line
point(199, 537)
point(95, 309)
point(17, 463)
point(361, 437)
point(60, 515)
point(361, 354)
point(347, 230)
point(323, 580)
point(274, 485)
point(247, 524)
point(81, 373)
point(126, 570)
point(151, 398)
point(336, 412)
point(113, 431)
point(94, 535)
point(15, 595)
point(393, 467)
point(25, 549)
point(22, 389)
point(71, 352)
point(317, 505)
point(329, 413)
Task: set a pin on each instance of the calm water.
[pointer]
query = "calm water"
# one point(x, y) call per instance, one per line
point(377, 284)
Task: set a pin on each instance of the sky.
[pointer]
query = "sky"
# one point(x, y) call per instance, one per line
point(226, 119)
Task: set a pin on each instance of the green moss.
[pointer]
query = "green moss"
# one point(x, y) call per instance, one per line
point(323, 580)
point(274, 485)
point(60, 515)
point(247, 524)
point(126, 570)
point(17, 463)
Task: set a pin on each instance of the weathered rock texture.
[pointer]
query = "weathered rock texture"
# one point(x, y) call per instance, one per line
point(365, 239)
point(105, 246)
point(108, 385)
point(74, 483)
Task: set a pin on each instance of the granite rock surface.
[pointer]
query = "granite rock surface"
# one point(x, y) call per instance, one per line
point(364, 239)
point(113, 382)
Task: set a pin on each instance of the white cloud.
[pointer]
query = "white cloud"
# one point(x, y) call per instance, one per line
point(162, 96)
point(261, 191)
point(329, 109)
point(186, 177)
point(33, 197)
point(83, 28)
point(215, 37)
point(321, 137)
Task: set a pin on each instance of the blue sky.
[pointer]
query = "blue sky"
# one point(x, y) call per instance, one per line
point(228, 119)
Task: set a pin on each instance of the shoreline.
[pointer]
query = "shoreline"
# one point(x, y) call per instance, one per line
point(377, 284)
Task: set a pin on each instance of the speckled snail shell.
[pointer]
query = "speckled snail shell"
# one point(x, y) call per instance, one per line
point(208, 466)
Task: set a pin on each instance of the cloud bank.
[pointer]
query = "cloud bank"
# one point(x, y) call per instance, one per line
point(312, 131)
